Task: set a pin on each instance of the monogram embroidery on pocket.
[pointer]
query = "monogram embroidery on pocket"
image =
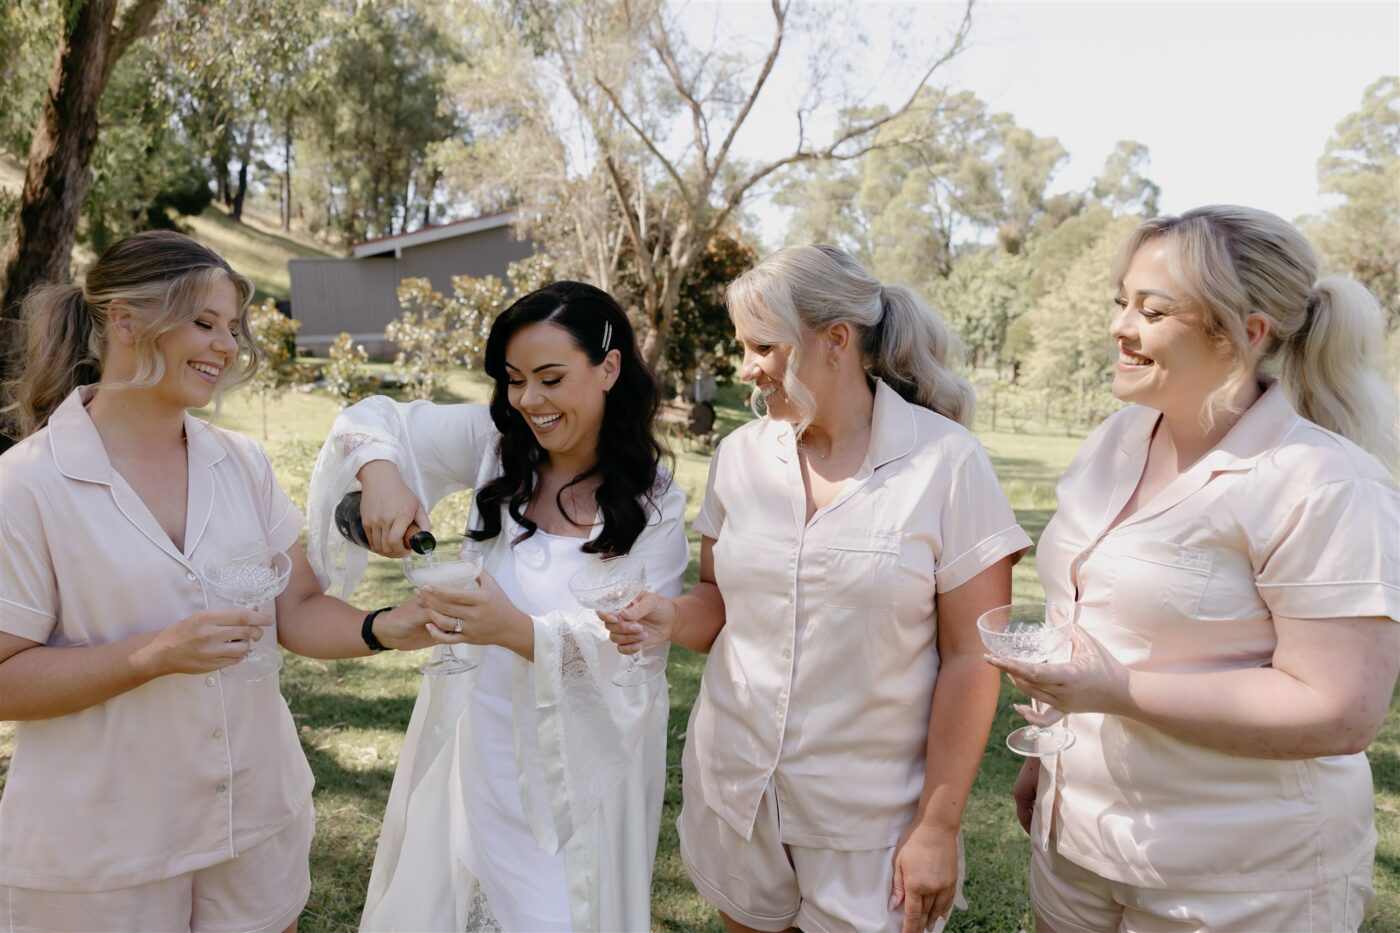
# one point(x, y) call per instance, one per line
point(865, 539)
point(1194, 558)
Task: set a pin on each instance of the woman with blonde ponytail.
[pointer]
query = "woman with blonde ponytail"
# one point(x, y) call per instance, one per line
point(1231, 549)
point(849, 541)
point(148, 792)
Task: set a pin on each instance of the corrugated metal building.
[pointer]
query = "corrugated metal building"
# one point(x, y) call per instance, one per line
point(358, 295)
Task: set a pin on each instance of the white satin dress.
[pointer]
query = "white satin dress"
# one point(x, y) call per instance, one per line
point(538, 784)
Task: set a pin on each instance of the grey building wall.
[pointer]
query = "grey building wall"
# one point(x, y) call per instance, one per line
point(487, 252)
point(359, 296)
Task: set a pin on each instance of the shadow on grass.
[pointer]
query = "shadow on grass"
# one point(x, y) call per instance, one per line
point(331, 710)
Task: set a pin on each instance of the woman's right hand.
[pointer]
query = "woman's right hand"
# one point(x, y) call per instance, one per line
point(388, 507)
point(207, 641)
point(1024, 791)
point(649, 620)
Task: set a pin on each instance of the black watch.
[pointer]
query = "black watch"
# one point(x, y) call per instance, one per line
point(367, 631)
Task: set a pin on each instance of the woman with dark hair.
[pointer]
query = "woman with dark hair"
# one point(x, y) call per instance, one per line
point(528, 794)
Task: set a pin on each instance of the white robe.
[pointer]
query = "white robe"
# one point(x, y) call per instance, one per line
point(602, 747)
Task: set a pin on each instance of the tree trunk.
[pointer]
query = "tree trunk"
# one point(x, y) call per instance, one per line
point(287, 172)
point(220, 158)
point(245, 157)
point(57, 175)
point(434, 177)
point(654, 344)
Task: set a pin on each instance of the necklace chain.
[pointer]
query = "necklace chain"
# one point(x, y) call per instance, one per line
point(834, 448)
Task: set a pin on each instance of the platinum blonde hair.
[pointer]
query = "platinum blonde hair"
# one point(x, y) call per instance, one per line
point(902, 339)
point(1325, 332)
point(163, 278)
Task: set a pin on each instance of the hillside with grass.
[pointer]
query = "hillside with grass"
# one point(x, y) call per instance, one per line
point(257, 247)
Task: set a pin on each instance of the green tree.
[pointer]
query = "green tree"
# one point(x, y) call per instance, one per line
point(1360, 170)
point(1072, 358)
point(945, 173)
point(614, 132)
point(345, 372)
point(981, 298)
point(145, 164)
point(369, 164)
point(58, 173)
point(276, 334)
point(1122, 186)
point(702, 337)
point(435, 332)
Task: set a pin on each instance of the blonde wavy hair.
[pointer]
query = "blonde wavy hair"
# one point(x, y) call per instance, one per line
point(1325, 332)
point(903, 341)
point(163, 278)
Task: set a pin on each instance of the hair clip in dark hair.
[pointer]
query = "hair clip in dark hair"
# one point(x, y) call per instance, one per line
point(607, 334)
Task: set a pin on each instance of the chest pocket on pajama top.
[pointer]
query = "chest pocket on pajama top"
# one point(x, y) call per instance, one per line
point(862, 568)
point(1159, 583)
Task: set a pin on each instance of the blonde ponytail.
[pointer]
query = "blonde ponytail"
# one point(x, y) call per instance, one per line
point(903, 341)
point(1326, 333)
point(163, 278)
point(62, 350)
point(1331, 366)
point(915, 352)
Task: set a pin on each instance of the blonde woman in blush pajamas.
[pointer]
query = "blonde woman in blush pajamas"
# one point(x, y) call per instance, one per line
point(1233, 555)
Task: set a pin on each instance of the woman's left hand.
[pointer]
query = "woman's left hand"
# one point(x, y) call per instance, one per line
point(483, 615)
point(925, 875)
point(1091, 681)
point(404, 628)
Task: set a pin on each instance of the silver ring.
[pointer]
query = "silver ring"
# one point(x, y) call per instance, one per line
point(457, 629)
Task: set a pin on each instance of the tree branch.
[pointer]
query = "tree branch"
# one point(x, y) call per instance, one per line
point(634, 231)
point(642, 135)
point(779, 19)
point(134, 25)
point(661, 42)
point(737, 192)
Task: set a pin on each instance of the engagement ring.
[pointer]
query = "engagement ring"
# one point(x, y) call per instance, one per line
point(458, 627)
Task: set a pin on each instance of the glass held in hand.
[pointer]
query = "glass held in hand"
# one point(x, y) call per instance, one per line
point(432, 570)
point(610, 585)
point(248, 575)
point(1032, 633)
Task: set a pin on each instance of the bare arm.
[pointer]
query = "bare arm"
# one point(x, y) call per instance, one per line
point(315, 625)
point(692, 620)
point(1326, 693)
point(964, 703)
point(40, 682)
point(965, 698)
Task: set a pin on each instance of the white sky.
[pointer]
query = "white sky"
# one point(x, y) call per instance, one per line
point(1235, 101)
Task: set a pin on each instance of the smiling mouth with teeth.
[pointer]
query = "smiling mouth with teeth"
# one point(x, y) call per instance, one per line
point(206, 369)
point(1129, 358)
point(544, 421)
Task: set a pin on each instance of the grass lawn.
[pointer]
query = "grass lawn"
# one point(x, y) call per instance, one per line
point(352, 714)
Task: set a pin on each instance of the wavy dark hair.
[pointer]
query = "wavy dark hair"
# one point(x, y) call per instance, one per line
point(629, 453)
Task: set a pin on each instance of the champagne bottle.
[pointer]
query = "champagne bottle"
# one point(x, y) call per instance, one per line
point(349, 524)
